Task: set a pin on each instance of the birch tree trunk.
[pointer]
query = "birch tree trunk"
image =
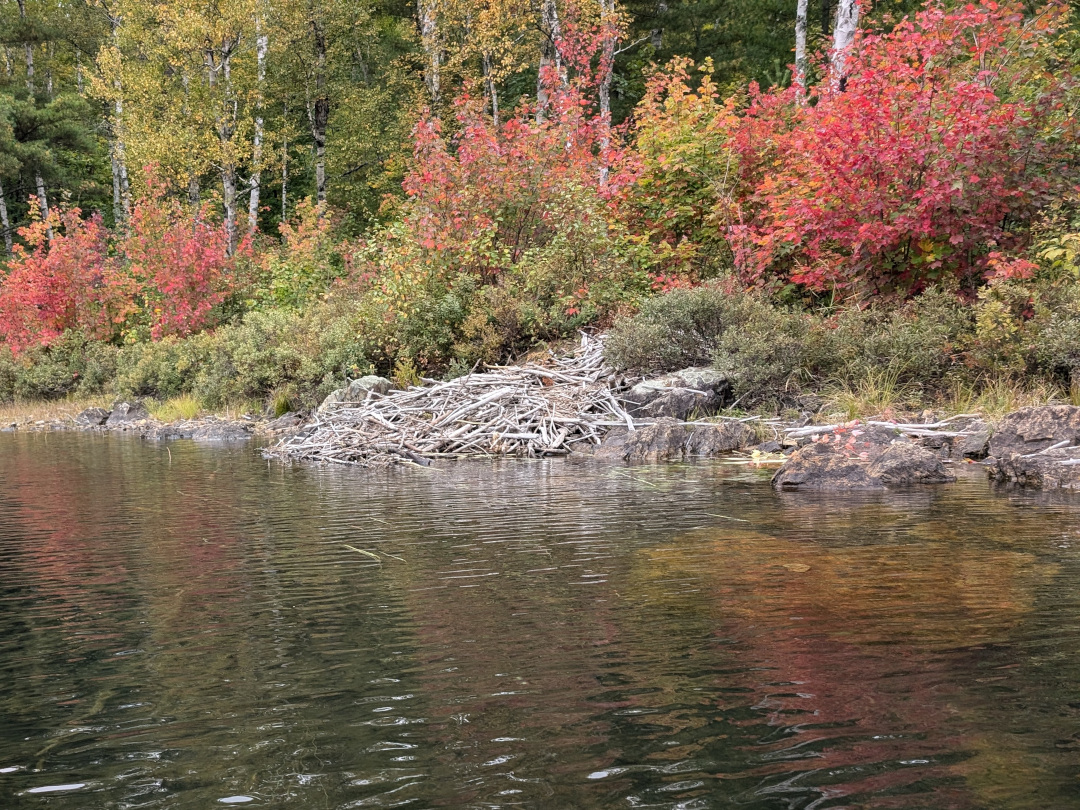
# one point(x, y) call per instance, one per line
point(847, 23)
point(121, 186)
point(609, 27)
point(427, 13)
point(800, 46)
point(220, 61)
point(319, 109)
point(550, 56)
point(5, 223)
point(656, 36)
point(262, 43)
point(43, 201)
point(285, 169)
point(39, 181)
point(492, 90)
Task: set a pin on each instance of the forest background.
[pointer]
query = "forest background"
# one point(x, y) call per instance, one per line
point(252, 201)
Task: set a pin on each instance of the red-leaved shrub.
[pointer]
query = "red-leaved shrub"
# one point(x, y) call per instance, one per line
point(70, 283)
point(949, 134)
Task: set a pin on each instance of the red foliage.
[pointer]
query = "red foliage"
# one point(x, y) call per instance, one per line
point(181, 264)
point(950, 132)
point(168, 272)
point(71, 283)
point(491, 192)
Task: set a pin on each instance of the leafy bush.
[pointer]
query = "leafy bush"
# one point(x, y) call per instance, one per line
point(298, 356)
point(685, 190)
point(767, 352)
point(679, 329)
point(179, 262)
point(71, 364)
point(909, 173)
point(771, 353)
point(920, 343)
point(63, 279)
point(306, 262)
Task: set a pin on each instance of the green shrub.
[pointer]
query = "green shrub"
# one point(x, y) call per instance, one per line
point(767, 351)
point(71, 365)
point(920, 344)
point(281, 355)
point(677, 330)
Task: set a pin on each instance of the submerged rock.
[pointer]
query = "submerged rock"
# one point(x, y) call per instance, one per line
point(211, 431)
point(1038, 447)
point(669, 439)
point(860, 459)
point(92, 417)
point(692, 391)
point(124, 413)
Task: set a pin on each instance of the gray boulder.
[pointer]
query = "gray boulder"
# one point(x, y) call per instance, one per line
point(1038, 447)
point(210, 431)
point(671, 440)
point(1053, 469)
point(358, 390)
point(975, 445)
point(124, 413)
point(860, 459)
point(692, 391)
point(1034, 429)
point(903, 463)
point(283, 424)
point(92, 417)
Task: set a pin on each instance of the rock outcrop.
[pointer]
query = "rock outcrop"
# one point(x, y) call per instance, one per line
point(125, 413)
point(681, 395)
point(358, 390)
point(210, 431)
point(671, 440)
point(860, 459)
point(92, 417)
point(1038, 447)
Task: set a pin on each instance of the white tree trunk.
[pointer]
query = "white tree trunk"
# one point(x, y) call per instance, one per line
point(847, 23)
point(492, 90)
point(285, 170)
point(607, 70)
point(220, 61)
point(43, 205)
point(656, 36)
point(427, 12)
point(550, 55)
point(261, 45)
point(228, 200)
point(319, 111)
point(28, 51)
point(5, 223)
point(121, 186)
point(800, 46)
point(117, 198)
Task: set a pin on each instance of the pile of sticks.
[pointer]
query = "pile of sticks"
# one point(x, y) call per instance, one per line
point(532, 410)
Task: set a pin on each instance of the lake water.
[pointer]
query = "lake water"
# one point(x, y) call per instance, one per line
point(188, 627)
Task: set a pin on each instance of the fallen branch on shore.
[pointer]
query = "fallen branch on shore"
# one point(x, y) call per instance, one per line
point(921, 431)
point(531, 410)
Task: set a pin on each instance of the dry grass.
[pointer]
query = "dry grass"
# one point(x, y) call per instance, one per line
point(49, 410)
point(878, 393)
point(176, 409)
